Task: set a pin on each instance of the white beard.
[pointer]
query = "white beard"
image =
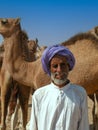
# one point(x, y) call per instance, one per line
point(58, 81)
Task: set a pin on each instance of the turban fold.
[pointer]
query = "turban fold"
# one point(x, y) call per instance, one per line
point(49, 52)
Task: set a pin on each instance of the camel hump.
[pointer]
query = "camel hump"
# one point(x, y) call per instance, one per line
point(13, 97)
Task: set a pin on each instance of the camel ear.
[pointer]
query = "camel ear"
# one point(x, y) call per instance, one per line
point(17, 21)
point(36, 40)
point(96, 30)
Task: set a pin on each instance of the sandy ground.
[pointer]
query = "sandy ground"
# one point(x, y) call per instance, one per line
point(90, 105)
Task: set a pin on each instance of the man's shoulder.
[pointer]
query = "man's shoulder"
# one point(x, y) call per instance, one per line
point(42, 90)
point(79, 89)
point(40, 93)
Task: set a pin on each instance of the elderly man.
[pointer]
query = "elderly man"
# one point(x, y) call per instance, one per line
point(60, 105)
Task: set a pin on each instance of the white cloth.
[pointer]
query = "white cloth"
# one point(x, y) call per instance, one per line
point(56, 108)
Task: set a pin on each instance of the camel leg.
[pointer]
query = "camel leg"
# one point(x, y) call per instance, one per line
point(96, 112)
point(24, 98)
point(93, 109)
point(14, 117)
point(0, 106)
point(94, 98)
point(24, 108)
point(4, 105)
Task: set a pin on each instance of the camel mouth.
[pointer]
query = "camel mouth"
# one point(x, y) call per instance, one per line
point(2, 31)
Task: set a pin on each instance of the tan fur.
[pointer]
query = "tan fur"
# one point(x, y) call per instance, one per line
point(32, 47)
point(84, 47)
point(7, 83)
point(6, 86)
point(1, 60)
point(39, 51)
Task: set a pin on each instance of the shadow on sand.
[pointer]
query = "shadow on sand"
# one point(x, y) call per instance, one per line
point(92, 127)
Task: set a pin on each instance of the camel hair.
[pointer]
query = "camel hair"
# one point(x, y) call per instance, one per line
point(11, 89)
point(84, 46)
point(9, 93)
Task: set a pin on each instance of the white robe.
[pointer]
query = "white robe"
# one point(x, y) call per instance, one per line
point(56, 108)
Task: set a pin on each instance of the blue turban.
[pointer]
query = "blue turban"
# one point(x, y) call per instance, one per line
point(49, 52)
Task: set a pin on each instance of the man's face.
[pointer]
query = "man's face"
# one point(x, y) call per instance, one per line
point(59, 70)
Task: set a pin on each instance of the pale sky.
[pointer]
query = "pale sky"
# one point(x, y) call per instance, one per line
point(52, 21)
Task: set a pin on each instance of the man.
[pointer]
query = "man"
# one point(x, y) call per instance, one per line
point(60, 105)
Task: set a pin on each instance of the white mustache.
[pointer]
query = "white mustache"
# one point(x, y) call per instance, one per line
point(57, 73)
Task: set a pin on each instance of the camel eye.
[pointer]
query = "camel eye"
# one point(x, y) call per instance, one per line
point(4, 21)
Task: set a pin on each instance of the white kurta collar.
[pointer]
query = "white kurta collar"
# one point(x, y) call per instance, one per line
point(63, 88)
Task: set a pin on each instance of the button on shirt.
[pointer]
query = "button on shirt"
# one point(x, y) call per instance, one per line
point(55, 108)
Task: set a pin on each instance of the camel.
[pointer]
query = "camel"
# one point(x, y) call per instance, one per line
point(84, 46)
point(32, 46)
point(90, 37)
point(7, 85)
point(6, 94)
point(35, 52)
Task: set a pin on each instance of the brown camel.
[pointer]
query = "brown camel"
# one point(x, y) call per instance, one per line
point(84, 47)
point(32, 47)
point(8, 84)
point(90, 38)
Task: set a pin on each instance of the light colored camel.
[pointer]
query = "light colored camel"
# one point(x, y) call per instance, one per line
point(35, 51)
point(7, 84)
point(32, 46)
point(90, 38)
point(94, 97)
point(84, 47)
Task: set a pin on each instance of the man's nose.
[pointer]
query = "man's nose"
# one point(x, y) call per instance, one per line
point(59, 68)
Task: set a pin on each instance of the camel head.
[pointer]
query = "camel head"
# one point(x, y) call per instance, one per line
point(32, 45)
point(8, 26)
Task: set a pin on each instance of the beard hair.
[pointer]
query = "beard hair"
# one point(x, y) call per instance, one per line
point(59, 81)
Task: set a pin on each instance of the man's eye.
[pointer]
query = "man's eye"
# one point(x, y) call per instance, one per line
point(55, 66)
point(63, 64)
